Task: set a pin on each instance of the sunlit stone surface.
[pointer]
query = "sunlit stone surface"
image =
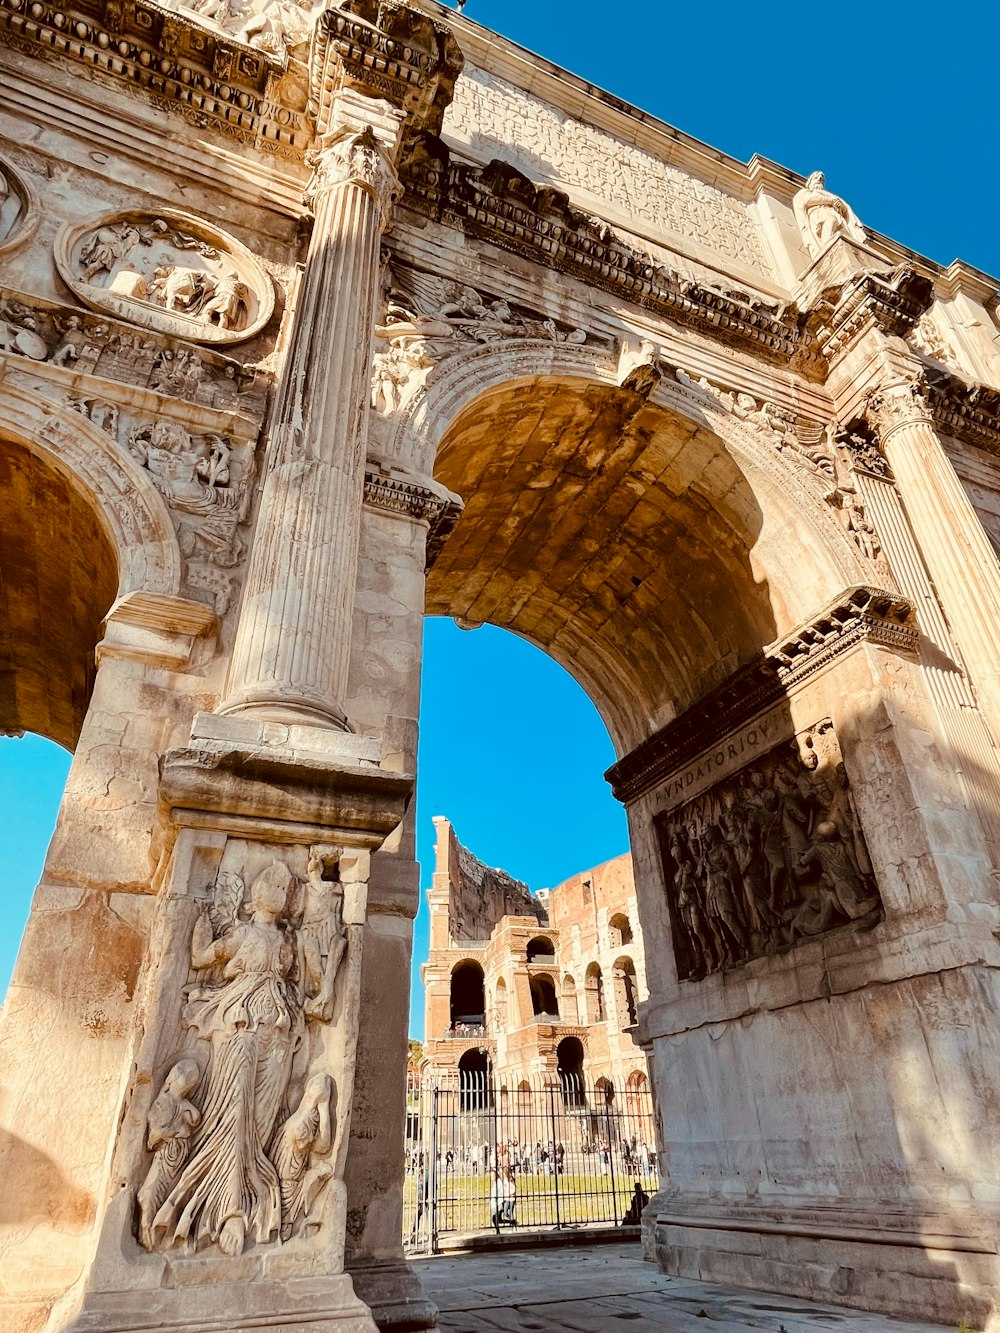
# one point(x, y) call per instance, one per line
point(311, 323)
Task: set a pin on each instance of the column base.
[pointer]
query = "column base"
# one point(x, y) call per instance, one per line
point(277, 707)
point(298, 1305)
point(395, 1297)
point(928, 1268)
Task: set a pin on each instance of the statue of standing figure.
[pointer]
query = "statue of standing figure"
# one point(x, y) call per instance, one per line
point(237, 1165)
point(822, 216)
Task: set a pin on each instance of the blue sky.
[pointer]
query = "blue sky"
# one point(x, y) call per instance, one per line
point(897, 103)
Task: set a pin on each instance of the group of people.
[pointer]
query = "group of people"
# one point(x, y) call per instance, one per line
point(542, 1159)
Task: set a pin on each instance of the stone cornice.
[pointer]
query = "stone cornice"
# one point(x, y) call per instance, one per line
point(498, 204)
point(890, 302)
point(396, 494)
point(857, 615)
point(969, 412)
point(177, 65)
point(385, 49)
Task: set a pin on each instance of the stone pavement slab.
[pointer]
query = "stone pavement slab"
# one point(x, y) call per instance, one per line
point(604, 1288)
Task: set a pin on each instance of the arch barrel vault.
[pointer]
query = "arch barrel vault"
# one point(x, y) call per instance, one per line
point(427, 342)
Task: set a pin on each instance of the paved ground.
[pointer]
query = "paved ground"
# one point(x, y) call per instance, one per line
point(604, 1288)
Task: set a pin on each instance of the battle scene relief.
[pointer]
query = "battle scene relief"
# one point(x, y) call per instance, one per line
point(769, 856)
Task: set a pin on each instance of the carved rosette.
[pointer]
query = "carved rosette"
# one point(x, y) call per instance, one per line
point(355, 158)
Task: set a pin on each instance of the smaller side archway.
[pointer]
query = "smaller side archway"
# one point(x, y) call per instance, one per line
point(543, 997)
point(540, 949)
point(569, 1065)
point(475, 1078)
point(468, 995)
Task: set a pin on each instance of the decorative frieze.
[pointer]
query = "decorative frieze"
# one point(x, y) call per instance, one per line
point(891, 301)
point(177, 65)
point(384, 49)
point(76, 340)
point(427, 318)
point(768, 856)
point(860, 614)
point(967, 411)
point(501, 205)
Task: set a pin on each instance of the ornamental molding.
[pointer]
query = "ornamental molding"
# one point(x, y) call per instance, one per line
point(395, 493)
point(969, 412)
point(383, 48)
point(890, 302)
point(175, 64)
point(499, 204)
point(860, 614)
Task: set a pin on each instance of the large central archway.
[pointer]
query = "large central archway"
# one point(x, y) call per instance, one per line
point(626, 540)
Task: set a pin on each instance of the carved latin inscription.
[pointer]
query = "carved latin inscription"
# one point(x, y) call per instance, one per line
point(768, 856)
point(496, 119)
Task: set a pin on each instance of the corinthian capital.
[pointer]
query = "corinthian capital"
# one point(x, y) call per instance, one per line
point(354, 157)
point(896, 405)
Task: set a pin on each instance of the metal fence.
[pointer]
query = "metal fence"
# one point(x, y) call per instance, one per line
point(481, 1157)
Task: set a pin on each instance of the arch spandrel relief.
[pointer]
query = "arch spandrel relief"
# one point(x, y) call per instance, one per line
point(167, 271)
point(19, 211)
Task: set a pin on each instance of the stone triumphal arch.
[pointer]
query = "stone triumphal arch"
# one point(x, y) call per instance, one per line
point(312, 323)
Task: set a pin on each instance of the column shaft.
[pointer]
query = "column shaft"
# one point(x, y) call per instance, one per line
point(954, 545)
point(292, 650)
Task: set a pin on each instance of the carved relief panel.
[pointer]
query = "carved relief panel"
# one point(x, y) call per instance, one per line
point(19, 211)
point(167, 271)
point(771, 855)
point(242, 1137)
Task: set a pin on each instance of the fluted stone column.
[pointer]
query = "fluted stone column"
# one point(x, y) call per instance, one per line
point(292, 650)
point(954, 545)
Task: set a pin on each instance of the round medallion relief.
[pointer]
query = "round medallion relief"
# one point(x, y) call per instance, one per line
point(167, 271)
point(19, 212)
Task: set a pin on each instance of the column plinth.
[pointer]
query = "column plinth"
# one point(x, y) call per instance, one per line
point(292, 650)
